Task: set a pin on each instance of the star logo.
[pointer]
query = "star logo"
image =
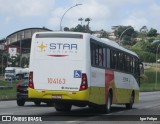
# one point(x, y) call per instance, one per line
point(42, 47)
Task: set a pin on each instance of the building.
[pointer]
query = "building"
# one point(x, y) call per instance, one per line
point(16, 43)
point(22, 39)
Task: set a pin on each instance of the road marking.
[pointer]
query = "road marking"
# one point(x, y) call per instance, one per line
point(6, 113)
point(75, 121)
point(120, 112)
point(71, 121)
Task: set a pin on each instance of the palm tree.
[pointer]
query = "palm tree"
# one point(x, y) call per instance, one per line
point(80, 19)
point(88, 20)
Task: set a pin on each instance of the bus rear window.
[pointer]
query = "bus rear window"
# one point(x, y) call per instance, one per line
point(56, 35)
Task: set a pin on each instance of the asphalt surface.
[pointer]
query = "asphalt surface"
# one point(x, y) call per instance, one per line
point(146, 111)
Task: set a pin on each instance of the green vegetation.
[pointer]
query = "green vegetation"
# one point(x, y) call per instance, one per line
point(148, 83)
point(143, 42)
point(9, 92)
point(148, 87)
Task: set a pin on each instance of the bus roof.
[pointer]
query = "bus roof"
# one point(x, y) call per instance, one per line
point(114, 44)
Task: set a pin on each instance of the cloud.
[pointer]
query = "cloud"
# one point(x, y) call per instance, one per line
point(7, 20)
point(24, 8)
point(94, 10)
point(137, 23)
point(104, 13)
point(153, 14)
point(146, 15)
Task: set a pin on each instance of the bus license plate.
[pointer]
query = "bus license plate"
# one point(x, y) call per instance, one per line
point(57, 97)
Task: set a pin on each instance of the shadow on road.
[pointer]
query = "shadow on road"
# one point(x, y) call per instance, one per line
point(82, 114)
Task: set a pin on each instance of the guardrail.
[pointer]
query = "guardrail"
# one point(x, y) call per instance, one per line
point(5, 87)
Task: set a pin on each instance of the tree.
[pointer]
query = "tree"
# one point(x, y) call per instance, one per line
point(25, 62)
point(88, 20)
point(144, 29)
point(66, 29)
point(87, 26)
point(143, 49)
point(152, 33)
point(143, 32)
point(126, 40)
point(120, 30)
point(153, 47)
point(125, 34)
point(80, 19)
point(103, 34)
point(79, 28)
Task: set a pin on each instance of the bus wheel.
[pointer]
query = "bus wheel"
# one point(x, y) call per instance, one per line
point(108, 103)
point(130, 104)
point(20, 102)
point(63, 107)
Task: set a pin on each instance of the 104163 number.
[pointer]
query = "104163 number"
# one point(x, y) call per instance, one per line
point(56, 80)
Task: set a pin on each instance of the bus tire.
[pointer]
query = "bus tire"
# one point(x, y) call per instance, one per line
point(63, 107)
point(108, 103)
point(130, 104)
point(107, 107)
point(20, 102)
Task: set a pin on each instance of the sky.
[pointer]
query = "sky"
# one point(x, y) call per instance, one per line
point(20, 14)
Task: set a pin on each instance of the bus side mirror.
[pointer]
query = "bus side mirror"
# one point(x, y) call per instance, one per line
point(141, 68)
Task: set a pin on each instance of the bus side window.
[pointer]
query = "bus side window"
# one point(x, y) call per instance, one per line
point(104, 58)
point(121, 61)
point(92, 54)
point(114, 59)
point(108, 57)
point(131, 64)
point(128, 64)
point(98, 55)
point(111, 59)
point(136, 70)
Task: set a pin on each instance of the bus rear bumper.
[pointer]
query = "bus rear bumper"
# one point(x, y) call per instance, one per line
point(58, 95)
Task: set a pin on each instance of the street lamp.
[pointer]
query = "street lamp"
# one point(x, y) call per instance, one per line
point(124, 32)
point(156, 66)
point(65, 13)
point(2, 50)
point(20, 49)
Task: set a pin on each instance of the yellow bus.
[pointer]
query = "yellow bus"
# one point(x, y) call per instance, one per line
point(69, 68)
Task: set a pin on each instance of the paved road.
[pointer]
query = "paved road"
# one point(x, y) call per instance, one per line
point(147, 108)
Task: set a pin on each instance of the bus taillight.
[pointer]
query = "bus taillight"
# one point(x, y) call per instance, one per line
point(31, 80)
point(84, 83)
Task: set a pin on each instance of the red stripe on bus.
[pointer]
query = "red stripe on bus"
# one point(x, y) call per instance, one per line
point(58, 55)
point(109, 77)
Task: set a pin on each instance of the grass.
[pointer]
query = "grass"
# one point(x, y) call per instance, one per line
point(148, 83)
point(149, 87)
point(8, 93)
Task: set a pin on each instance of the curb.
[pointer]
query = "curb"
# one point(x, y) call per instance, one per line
point(7, 99)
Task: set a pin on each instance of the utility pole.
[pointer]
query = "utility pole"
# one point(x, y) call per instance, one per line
point(65, 13)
